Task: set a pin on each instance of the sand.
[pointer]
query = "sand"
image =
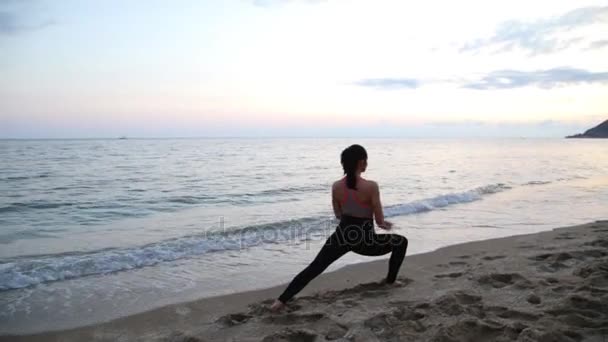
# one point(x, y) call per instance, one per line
point(550, 286)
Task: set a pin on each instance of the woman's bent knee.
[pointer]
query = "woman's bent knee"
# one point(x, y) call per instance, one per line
point(400, 241)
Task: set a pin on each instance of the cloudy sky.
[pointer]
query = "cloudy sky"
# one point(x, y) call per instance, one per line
point(74, 68)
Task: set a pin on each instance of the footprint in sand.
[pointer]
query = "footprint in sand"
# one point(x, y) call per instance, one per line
point(598, 228)
point(450, 275)
point(349, 303)
point(595, 275)
point(233, 319)
point(404, 310)
point(526, 246)
point(458, 263)
point(181, 337)
point(500, 280)
point(292, 318)
point(381, 321)
point(565, 236)
point(335, 332)
point(562, 289)
point(562, 256)
point(362, 289)
point(540, 334)
point(423, 306)
point(453, 263)
point(548, 281)
point(457, 303)
point(291, 335)
point(594, 253)
point(585, 303)
point(494, 257)
point(594, 291)
point(373, 294)
point(533, 299)
point(598, 243)
point(366, 290)
point(503, 312)
point(471, 329)
point(553, 262)
point(403, 318)
point(581, 312)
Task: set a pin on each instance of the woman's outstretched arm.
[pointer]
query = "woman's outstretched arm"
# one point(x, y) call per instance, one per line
point(335, 202)
point(377, 207)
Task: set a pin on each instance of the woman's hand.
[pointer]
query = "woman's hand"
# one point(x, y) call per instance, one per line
point(387, 225)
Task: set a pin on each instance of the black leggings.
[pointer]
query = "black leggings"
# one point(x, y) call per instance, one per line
point(356, 235)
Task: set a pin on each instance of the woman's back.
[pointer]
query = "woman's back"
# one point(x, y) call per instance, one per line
point(355, 202)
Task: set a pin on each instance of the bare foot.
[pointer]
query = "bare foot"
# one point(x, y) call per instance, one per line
point(396, 283)
point(277, 306)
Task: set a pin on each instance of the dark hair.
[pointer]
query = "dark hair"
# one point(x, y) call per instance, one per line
point(350, 158)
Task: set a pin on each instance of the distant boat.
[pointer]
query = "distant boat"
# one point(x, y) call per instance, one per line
point(599, 131)
point(122, 138)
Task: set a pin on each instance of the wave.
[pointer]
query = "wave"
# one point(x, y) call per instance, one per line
point(32, 270)
point(443, 200)
point(289, 190)
point(537, 183)
point(19, 206)
point(20, 178)
point(170, 203)
point(27, 271)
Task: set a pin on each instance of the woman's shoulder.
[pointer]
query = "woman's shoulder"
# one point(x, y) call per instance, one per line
point(365, 183)
point(337, 184)
point(370, 183)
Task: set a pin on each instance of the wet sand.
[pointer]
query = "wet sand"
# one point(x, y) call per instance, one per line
point(549, 286)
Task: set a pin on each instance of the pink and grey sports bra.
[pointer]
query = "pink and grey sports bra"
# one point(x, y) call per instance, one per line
point(352, 206)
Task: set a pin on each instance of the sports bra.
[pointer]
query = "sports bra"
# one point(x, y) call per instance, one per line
point(352, 206)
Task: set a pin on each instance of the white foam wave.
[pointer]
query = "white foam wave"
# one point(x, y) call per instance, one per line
point(537, 183)
point(29, 271)
point(443, 200)
point(24, 272)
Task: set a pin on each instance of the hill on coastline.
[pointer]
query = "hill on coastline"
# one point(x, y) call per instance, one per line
point(599, 131)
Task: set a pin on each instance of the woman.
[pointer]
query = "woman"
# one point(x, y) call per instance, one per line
point(356, 204)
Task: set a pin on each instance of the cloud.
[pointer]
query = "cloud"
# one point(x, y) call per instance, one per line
point(599, 44)
point(389, 83)
point(7, 3)
point(541, 36)
point(14, 20)
point(499, 79)
point(509, 79)
point(9, 24)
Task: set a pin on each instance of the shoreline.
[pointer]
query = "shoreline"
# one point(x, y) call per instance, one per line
point(428, 277)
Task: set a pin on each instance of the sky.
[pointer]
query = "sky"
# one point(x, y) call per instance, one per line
point(374, 68)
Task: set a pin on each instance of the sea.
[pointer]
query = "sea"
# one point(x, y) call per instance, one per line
point(92, 230)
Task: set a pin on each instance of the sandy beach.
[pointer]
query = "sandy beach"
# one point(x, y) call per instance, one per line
point(549, 286)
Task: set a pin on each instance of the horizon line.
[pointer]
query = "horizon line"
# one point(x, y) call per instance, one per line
point(279, 137)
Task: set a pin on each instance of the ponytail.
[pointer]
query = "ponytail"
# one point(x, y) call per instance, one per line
point(350, 159)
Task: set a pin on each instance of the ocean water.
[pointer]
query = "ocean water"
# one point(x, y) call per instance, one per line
point(91, 230)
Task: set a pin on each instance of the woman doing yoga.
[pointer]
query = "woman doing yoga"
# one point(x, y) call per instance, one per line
point(356, 203)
